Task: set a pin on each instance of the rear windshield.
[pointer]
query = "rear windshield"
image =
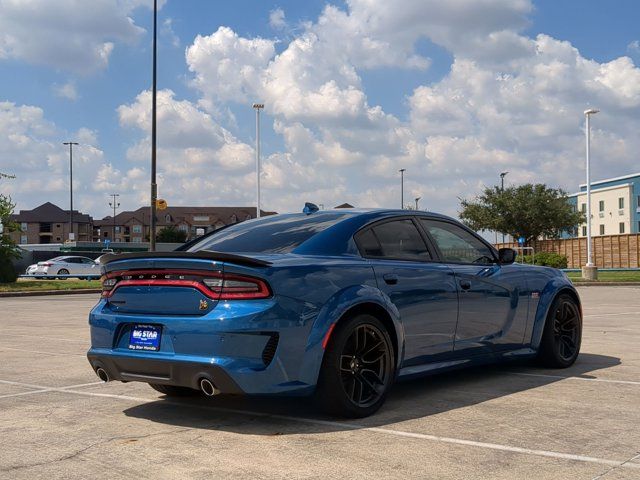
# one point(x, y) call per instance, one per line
point(274, 234)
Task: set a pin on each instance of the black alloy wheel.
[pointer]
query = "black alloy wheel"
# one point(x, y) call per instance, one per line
point(358, 368)
point(562, 335)
point(63, 271)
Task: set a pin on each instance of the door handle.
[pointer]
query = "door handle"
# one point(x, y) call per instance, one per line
point(465, 284)
point(390, 278)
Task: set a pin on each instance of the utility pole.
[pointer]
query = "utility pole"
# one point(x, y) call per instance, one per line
point(258, 107)
point(114, 204)
point(402, 170)
point(154, 186)
point(71, 144)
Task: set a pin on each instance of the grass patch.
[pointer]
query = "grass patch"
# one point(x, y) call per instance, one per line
point(28, 285)
point(604, 276)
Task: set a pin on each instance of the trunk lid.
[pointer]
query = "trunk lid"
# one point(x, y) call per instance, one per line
point(171, 283)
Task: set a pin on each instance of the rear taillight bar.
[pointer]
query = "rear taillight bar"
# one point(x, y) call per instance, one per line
point(215, 285)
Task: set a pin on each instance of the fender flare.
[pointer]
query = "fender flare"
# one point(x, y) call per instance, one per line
point(333, 311)
point(555, 287)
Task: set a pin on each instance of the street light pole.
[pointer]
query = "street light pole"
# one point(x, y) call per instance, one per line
point(258, 107)
point(502, 175)
point(402, 170)
point(115, 205)
point(417, 200)
point(154, 185)
point(71, 144)
point(589, 271)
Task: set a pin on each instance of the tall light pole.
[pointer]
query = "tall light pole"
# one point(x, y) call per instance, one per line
point(154, 185)
point(258, 107)
point(71, 144)
point(114, 204)
point(417, 200)
point(402, 170)
point(589, 271)
point(502, 175)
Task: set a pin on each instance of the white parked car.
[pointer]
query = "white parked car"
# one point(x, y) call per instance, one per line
point(66, 265)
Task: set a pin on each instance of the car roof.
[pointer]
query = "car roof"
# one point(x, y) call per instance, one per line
point(337, 239)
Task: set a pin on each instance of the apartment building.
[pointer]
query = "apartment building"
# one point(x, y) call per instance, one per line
point(134, 226)
point(48, 223)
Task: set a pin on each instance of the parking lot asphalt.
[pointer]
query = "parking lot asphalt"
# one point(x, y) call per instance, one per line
point(503, 422)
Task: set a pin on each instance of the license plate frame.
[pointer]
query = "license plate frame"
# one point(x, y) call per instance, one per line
point(145, 337)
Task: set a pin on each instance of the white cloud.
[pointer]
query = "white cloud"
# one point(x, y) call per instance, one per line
point(167, 31)
point(509, 102)
point(199, 162)
point(67, 90)
point(31, 149)
point(277, 19)
point(65, 34)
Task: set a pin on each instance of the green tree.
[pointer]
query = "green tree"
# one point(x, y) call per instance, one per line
point(8, 248)
point(528, 211)
point(171, 234)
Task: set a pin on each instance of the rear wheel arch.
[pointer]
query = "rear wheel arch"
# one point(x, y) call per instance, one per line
point(381, 314)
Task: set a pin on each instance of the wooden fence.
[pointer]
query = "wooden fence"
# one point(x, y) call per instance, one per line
point(609, 251)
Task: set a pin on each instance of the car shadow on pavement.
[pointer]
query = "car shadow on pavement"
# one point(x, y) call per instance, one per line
point(407, 400)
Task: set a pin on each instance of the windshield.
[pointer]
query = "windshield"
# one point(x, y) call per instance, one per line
point(274, 234)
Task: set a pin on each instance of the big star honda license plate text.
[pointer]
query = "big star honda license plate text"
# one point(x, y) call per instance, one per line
point(145, 337)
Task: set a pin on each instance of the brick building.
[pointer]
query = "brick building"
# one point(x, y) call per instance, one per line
point(48, 223)
point(133, 226)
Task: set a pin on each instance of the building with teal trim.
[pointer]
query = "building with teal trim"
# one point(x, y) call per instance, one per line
point(615, 206)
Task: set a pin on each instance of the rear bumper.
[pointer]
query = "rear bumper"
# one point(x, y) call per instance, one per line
point(253, 348)
point(127, 368)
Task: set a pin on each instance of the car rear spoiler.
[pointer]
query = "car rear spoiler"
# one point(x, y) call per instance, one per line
point(202, 254)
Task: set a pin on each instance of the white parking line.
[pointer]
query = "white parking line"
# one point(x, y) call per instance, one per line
point(383, 431)
point(40, 338)
point(595, 315)
point(39, 352)
point(41, 389)
point(603, 380)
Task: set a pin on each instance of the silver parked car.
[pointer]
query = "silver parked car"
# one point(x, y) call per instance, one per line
point(66, 265)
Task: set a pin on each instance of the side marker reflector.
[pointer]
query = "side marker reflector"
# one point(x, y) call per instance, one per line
point(325, 341)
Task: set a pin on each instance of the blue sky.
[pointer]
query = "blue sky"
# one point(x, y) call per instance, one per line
point(353, 91)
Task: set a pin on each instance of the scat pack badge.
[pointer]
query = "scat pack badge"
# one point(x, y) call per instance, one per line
point(203, 304)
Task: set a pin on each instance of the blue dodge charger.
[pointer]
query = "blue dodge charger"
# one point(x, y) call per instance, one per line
point(338, 304)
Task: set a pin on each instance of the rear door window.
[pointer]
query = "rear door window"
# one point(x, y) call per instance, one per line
point(396, 239)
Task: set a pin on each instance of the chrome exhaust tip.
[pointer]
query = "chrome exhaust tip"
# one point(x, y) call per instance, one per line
point(102, 374)
point(208, 388)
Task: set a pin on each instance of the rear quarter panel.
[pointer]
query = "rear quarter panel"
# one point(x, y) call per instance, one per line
point(319, 290)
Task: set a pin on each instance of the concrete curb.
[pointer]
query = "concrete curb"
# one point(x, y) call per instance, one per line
point(596, 283)
point(38, 293)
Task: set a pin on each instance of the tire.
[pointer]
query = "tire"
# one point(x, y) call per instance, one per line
point(358, 368)
point(173, 391)
point(63, 271)
point(562, 336)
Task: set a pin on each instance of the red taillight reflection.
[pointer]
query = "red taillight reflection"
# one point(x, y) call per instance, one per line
point(215, 285)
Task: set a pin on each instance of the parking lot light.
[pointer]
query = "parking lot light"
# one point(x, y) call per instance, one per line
point(258, 107)
point(589, 271)
point(71, 144)
point(402, 170)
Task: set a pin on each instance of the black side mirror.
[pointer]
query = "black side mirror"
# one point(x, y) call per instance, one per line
point(506, 256)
